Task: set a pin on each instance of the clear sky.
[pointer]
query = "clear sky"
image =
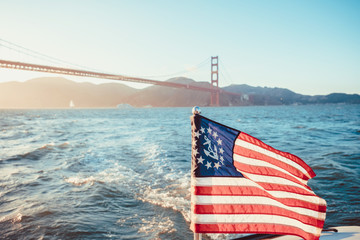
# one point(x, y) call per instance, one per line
point(310, 47)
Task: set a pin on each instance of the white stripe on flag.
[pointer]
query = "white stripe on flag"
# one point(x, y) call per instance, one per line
point(223, 181)
point(275, 180)
point(252, 218)
point(312, 199)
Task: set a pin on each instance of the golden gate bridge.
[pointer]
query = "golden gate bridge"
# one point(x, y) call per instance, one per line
point(213, 89)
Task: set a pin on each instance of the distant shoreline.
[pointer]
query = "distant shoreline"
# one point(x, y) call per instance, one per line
point(122, 109)
point(60, 93)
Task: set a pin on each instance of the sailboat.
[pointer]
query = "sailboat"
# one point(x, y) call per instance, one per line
point(71, 104)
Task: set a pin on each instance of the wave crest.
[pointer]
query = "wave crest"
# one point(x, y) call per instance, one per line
point(77, 181)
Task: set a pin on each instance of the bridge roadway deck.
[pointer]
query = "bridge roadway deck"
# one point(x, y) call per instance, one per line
point(83, 73)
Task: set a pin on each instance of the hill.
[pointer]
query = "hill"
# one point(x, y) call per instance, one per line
point(56, 92)
point(159, 96)
point(282, 96)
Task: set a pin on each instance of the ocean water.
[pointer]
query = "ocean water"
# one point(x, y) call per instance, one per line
point(125, 174)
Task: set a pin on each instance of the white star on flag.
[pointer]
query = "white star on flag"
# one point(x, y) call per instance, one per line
point(209, 130)
point(201, 160)
point(202, 130)
point(217, 165)
point(215, 134)
point(197, 134)
point(194, 143)
point(219, 141)
point(195, 152)
point(221, 150)
point(208, 165)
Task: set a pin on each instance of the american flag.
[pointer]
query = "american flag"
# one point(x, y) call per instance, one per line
point(241, 185)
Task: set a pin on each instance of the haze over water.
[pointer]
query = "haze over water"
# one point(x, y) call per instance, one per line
point(125, 174)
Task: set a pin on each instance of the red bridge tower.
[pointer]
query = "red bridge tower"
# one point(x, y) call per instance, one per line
point(215, 81)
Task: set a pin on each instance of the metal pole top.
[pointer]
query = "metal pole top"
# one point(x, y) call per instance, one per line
point(196, 110)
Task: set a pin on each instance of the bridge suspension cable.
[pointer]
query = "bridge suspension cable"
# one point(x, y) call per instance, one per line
point(225, 78)
point(194, 68)
point(39, 55)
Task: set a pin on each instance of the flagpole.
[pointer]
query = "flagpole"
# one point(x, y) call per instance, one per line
point(197, 236)
point(196, 111)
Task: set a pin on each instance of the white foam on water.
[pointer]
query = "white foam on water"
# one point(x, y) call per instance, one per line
point(164, 185)
point(78, 181)
point(17, 218)
point(64, 145)
point(175, 196)
point(51, 145)
point(115, 173)
point(8, 171)
point(23, 149)
point(158, 225)
point(48, 146)
point(14, 217)
point(159, 184)
point(152, 153)
point(122, 221)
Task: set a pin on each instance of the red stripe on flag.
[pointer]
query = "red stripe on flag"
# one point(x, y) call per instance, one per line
point(263, 228)
point(253, 191)
point(267, 171)
point(282, 187)
point(259, 156)
point(255, 141)
point(234, 191)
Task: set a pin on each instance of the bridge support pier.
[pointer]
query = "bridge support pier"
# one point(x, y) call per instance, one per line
point(215, 95)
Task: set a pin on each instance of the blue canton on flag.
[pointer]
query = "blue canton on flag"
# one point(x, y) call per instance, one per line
point(212, 149)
